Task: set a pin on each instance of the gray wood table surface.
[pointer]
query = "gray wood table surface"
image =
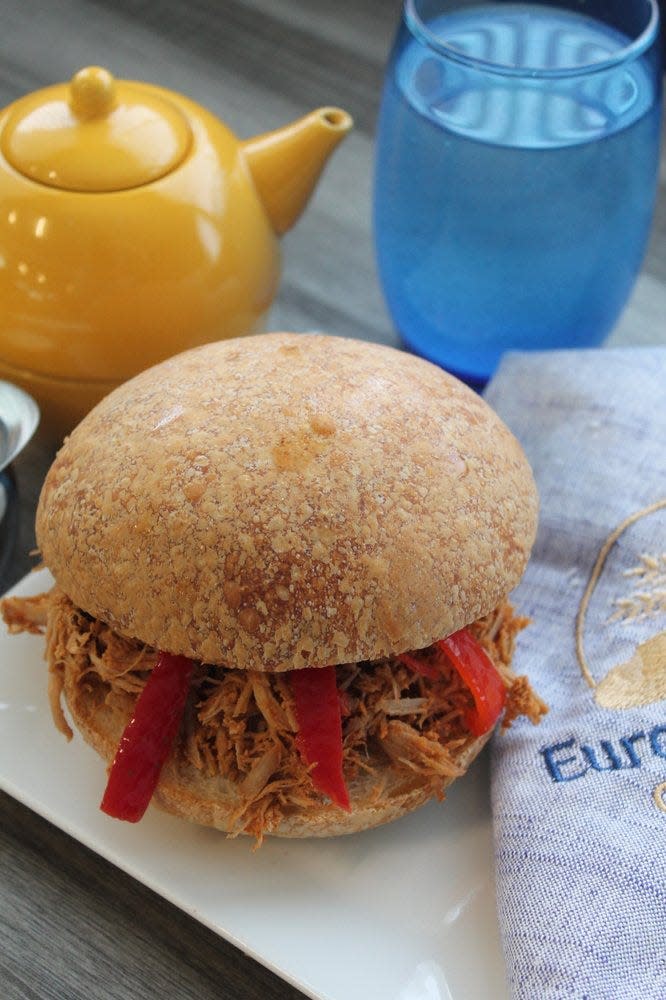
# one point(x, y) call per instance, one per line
point(71, 925)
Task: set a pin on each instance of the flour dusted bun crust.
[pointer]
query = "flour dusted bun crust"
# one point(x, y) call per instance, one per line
point(281, 502)
point(289, 500)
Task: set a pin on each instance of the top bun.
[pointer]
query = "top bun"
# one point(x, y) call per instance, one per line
point(287, 500)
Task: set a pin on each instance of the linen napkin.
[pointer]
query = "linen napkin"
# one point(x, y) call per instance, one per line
point(579, 802)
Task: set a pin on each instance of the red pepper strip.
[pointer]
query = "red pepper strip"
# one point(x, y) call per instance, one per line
point(148, 738)
point(480, 675)
point(319, 738)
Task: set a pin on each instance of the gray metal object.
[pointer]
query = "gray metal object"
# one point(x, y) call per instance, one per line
point(19, 417)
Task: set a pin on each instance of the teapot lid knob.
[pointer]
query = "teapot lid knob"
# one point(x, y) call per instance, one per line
point(92, 92)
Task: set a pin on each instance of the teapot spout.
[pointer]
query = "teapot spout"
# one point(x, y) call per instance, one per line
point(286, 164)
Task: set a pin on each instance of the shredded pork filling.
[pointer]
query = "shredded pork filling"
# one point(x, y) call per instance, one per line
point(241, 725)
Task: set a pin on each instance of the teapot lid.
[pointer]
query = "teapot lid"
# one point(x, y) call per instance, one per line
point(95, 134)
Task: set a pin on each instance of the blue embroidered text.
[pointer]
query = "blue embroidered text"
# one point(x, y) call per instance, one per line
point(570, 759)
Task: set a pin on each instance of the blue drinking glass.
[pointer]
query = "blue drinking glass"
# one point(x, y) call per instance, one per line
point(516, 172)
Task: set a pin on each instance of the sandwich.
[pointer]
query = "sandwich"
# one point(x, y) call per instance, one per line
point(281, 575)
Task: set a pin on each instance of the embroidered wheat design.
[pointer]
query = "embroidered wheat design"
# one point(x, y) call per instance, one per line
point(592, 582)
point(649, 595)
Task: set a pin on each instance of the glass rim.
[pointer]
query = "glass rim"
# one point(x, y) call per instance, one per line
point(636, 47)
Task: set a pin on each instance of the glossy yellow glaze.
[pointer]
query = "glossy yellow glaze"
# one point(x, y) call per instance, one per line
point(120, 247)
point(97, 134)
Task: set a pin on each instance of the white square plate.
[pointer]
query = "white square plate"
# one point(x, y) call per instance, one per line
point(404, 912)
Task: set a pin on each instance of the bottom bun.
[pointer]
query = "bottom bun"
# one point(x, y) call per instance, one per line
point(214, 801)
point(209, 801)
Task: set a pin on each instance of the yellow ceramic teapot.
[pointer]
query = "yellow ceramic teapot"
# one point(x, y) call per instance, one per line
point(134, 224)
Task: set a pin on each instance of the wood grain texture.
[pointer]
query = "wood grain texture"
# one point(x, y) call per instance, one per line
point(71, 925)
